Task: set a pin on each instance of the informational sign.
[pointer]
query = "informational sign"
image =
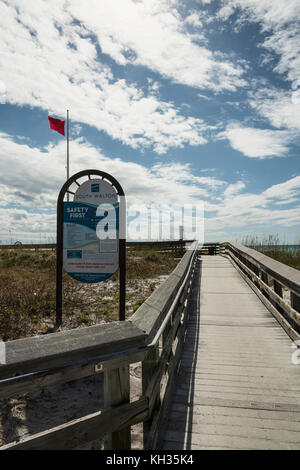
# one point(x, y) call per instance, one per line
point(91, 232)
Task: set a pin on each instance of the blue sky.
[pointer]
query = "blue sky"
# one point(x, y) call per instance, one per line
point(184, 102)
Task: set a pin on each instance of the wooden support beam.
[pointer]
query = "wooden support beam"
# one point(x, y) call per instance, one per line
point(83, 430)
point(295, 301)
point(149, 366)
point(117, 392)
point(46, 360)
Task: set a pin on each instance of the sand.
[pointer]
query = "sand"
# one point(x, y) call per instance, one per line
point(41, 410)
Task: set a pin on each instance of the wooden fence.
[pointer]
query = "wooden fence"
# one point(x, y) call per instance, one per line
point(152, 336)
point(276, 284)
point(151, 244)
point(209, 248)
point(176, 247)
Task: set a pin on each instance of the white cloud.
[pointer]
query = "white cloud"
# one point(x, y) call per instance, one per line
point(29, 196)
point(284, 191)
point(194, 19)
point(182, 172)
point(234, 189)
point(247, 210)
point(204, 97)
point(42, 37)
point(271, 13)
point(31, 180)
point(257, 143)
point(279, 107)
point(30, 227)
point(40, 187)
point(2, 92)
point(151, 33)
point(76, 129)
point(281, 20)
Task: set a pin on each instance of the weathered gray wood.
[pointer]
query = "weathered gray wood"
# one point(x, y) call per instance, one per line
point(295, 301)
point(152, 386)
point(161, 381)
point(27, 383)
point(176, 347)
point(57, 349)
point(265, 279)
point(236, 379)
point(290, 311)
point(149, 366)
point(284, 274)
point(117, 392)
point(283, 322)
point(80, 431)
point(64, 356)
point(210, 439)
point(278, 288)
point(152, 312)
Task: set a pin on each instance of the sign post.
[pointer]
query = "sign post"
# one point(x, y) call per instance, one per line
point(91, 233)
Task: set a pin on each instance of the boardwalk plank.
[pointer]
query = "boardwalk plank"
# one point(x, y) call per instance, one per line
point(190, 440)
point(209, 415)
point(236, 386)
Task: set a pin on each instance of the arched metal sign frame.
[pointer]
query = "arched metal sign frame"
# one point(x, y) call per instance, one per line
point(59, 237)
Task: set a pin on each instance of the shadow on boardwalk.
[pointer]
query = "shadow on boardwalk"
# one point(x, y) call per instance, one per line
point(179, 415)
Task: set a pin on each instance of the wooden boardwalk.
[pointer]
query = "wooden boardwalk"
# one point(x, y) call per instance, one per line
point(236, 386)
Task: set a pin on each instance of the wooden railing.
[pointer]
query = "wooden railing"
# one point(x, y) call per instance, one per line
point(209, 248)
point(152, 336)
point(276, 284)
point(159, 244)
point(176, 247)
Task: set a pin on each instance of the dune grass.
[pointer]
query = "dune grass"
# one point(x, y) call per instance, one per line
point(273, 247)
point(27, 291)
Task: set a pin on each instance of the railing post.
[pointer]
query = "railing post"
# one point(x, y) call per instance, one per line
point(148, 368)
point(278, 288)
point(295, 302)
point(278, 291)
point(265, 278)
point(117, 392)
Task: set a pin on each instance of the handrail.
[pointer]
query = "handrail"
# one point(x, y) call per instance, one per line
point(276, 284)
point(171, 309)
point(152, 312)
point(70, 356)
point(129, 244)
point(287, 275)
point(100, 358)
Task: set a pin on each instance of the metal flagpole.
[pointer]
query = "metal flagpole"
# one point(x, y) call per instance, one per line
point(68, 161)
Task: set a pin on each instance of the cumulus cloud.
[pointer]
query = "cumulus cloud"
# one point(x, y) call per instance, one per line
point(151, 33)
point(60, 42)
point(257, 143)
point(28, 203)
point(278, 106)
point(31, 179)
point(46, 37)
point(280, 22)
point(247, 210)
point(270, 13)
point(234, 189)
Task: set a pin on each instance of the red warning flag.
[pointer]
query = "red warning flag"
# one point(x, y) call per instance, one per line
point(57, 125)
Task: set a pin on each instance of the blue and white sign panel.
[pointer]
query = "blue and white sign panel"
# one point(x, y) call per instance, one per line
point(91, 232)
